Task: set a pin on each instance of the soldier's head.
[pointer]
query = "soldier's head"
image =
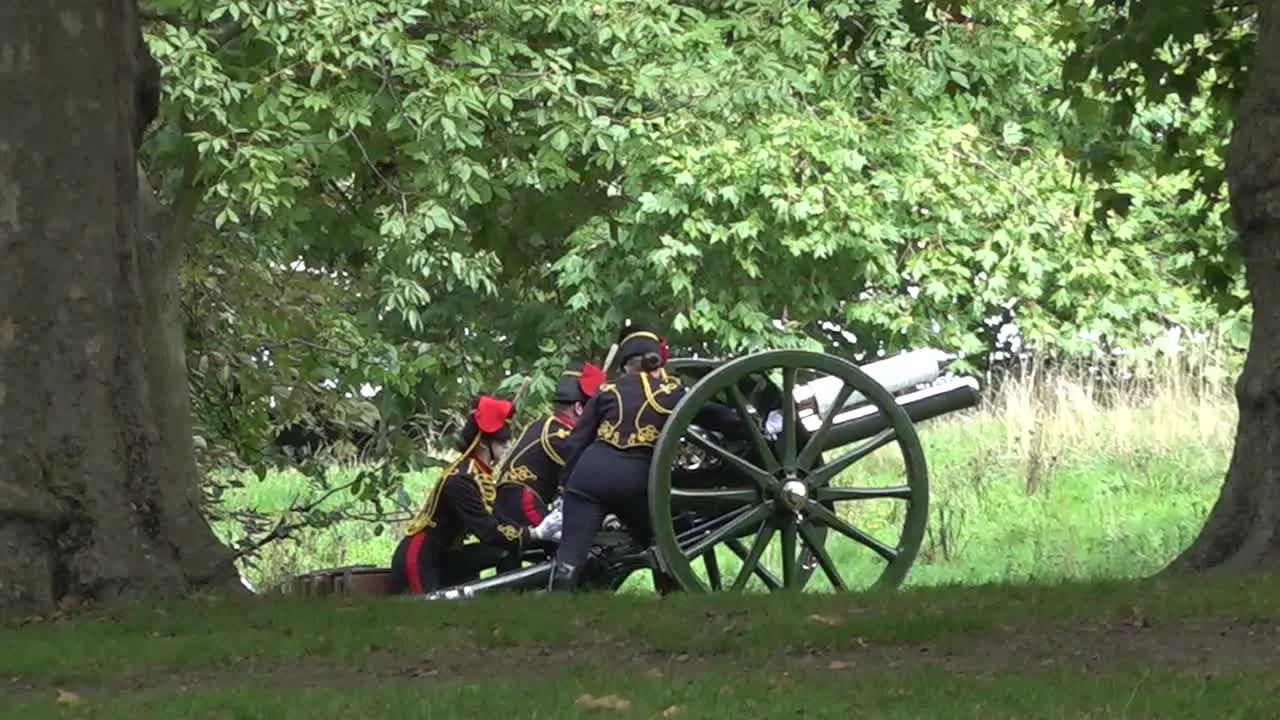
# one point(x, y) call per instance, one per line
point(641, 348)
point(577, 385)
point(487, 430)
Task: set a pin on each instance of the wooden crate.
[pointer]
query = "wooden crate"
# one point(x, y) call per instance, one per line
point(350, 580)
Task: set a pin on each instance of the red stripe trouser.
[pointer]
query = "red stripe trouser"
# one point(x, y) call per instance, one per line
point(420, 566)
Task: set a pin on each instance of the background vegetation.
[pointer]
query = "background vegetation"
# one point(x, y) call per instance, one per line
point(387, 209)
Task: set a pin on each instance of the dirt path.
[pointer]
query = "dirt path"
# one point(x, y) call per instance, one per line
point(1208, 645)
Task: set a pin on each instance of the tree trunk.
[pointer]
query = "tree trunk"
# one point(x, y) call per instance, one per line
point(98, 486)
point(1243, 529)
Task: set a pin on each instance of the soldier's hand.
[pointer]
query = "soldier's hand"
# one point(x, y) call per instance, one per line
point(773, 425)
point(550, 527)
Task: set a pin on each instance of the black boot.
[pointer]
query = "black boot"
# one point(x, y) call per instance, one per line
point(563, 578)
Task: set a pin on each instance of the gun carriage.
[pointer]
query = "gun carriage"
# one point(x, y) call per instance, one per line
point(809, 417)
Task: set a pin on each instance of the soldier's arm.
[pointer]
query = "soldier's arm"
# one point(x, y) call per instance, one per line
point(720, 418)
point(558, 442)
point(717, 416)
point(465, 496)
point(584, 431)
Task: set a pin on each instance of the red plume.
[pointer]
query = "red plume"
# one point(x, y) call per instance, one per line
point(590, 379)
point(491, 413)
point(664, 352)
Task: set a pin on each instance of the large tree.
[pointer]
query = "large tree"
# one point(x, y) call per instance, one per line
point(1243, 529)
point(98, 491)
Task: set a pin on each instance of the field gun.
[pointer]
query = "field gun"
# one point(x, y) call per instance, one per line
point(715, 500)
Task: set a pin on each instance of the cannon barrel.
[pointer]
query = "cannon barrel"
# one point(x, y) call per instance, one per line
point(865, 421)
point(895, 373)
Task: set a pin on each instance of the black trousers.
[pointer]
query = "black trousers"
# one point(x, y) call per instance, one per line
point(607, 481)
point(419, 566)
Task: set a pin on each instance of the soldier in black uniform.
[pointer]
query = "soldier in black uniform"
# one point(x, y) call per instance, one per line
point(607, 470)
point(432, 554)
point(528, 477)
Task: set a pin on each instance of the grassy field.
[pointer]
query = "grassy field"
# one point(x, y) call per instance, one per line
point(1051, 480)
point(1153, 649)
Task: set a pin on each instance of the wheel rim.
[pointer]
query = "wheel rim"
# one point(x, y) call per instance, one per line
point(781, 489)
point(691, 371)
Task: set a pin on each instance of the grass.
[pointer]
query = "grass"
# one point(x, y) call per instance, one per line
point(221, 633)
point(1053, 479)
point(1154, 648)
point(714, 694)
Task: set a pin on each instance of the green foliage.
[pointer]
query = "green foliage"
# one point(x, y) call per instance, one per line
point(435, 202)
point(1154, 87)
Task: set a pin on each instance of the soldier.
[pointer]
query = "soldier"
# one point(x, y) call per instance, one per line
point(611, 446)
point(528, 477)
point(432, 554)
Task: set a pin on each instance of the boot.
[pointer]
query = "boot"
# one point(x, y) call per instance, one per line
point(563, 578)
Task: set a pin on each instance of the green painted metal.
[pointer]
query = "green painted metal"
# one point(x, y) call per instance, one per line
point(691, 371)
point(788, 493)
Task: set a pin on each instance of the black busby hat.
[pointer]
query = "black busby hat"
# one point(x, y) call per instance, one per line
point(640, 339)
point(487, 420)
point(578, 383)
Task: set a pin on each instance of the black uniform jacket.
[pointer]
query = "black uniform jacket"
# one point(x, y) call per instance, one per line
point(462, 503)
point(629, 414)
point(537, 456)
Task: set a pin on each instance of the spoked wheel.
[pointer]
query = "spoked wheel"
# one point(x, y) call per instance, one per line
point(780, 487)
point(691, 371)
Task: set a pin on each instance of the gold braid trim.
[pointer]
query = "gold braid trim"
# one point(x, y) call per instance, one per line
point(545, 440)
point(500, 469)
point(426, 517)
point(642, 334)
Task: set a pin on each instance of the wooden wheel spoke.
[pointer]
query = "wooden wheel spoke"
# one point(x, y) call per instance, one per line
point(831, 520)
point(790, 557)
point(825, 473)
point(739, 403)
point(740, 496)
point(829, 493)
point(818, 547)
point(728, 530)
point(816, 441)
point(751, 559)
point(712, 564)
point(789, 416)
point(761, 477)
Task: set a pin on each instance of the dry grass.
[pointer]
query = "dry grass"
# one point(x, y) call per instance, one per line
point(1173, 400)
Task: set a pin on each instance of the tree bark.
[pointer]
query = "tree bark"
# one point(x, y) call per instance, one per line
point(98, 487)
point(1242, 531)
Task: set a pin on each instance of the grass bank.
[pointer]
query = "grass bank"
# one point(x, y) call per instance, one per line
point(1168, 648)
point(1054, 478)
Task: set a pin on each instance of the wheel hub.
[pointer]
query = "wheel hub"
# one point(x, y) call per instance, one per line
point(794, 494)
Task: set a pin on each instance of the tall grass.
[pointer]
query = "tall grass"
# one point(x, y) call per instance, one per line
point(1057, 475)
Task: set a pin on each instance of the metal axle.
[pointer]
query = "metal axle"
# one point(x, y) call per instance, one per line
point(529, 578)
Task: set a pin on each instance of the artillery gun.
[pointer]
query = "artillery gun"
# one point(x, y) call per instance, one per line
point(709, 493)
